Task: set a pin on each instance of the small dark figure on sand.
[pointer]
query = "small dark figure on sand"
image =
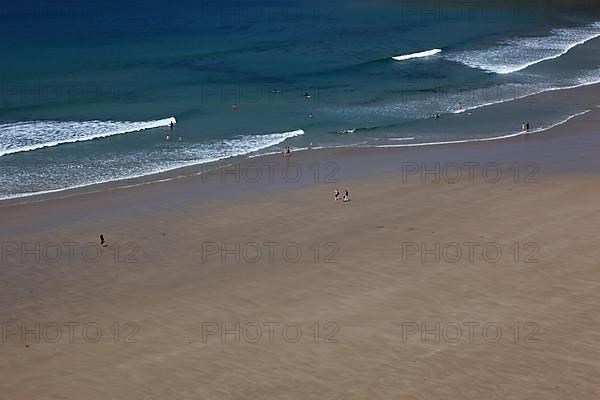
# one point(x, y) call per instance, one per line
point(102, 240)
point(346, 196)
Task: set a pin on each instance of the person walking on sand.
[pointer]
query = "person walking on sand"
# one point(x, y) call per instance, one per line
point(336, 195)
point(346, 196)
point(287, 152)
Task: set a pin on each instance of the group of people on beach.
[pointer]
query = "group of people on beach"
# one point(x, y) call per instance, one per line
point(336, 195)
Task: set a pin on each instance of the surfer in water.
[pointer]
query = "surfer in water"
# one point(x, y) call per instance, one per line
point(307, 95)
point(172, 125)
point(167, 138)
point(234, 107)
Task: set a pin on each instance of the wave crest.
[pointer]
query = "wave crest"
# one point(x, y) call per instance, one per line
point(517, 54)
point(33, 135)
point(420, 54)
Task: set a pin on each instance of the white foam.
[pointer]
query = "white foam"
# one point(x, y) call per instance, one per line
point(420, 54)
point(517, 54)
point(507, 136)
point(33, 135)
point(196, 154)
point(592, 78)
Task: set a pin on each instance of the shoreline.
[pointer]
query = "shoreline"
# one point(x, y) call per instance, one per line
point(585, 92)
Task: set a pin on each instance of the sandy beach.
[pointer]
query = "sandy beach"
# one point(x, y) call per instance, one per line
point(455, 271)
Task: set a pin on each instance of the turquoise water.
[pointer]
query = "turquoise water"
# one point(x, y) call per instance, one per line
point(89, 88)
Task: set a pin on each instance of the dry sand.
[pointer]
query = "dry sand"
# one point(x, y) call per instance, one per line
point(366, 293)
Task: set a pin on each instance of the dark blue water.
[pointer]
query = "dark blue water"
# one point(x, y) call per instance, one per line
point(89, 88)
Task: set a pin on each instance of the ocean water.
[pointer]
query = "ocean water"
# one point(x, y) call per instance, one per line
point(89, 88)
